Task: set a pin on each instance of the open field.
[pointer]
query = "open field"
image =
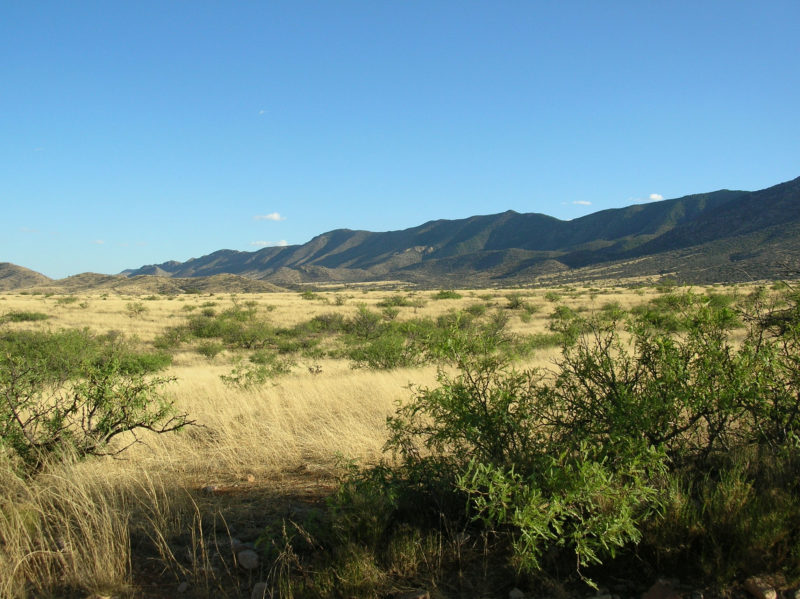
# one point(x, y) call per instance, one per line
point(161, 517)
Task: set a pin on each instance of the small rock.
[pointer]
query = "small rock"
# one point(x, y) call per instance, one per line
point(760, 588)
point(238, 546)
point(250, 478)
point(210, 489)
point(248, 559)
point(261, 591)
point(183, 587)
point(515, 593)
point(662, 589)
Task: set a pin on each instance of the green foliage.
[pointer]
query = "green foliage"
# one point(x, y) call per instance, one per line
point(210, 349)
point(741, 519)
point(262, 368)
point(476, 310)
point(688, 438)
point(577, 499)
point(444, 294)
point(63, 355)
point(552, 296)
point(23, 316)
point(516, 301)
point(310, 295)
point(135, 309)
point(395, 301)
point(73, 393)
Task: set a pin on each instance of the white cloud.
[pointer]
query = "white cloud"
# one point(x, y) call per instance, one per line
point(582, 203)
point(656, 197)
point(271, 216)
point(28, 230)
point(262, 111)
point(98, 242)
point(270, 244)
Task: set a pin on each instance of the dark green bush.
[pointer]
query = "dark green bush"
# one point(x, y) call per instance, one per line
point(23, 316)
point(395, 301)
point(444, 294)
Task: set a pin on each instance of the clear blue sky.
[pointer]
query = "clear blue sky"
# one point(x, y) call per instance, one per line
point(137, 132)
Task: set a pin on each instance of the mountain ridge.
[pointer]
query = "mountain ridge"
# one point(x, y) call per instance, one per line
point(516, 247)
point(720, 236)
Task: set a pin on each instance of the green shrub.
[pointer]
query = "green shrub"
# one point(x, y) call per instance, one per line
point(516, 301)
point(55, 402)
point(171, 338)
point(210, 349)
point(263, 367)
point(329, 323)
point(23, 316)
point(310, 295)
point(444, 294)
point(366, 324)
point(135, 309)
point(390, 313)
point(580, 464)
point(388, 350)
point(394, 301)
point(476, 310)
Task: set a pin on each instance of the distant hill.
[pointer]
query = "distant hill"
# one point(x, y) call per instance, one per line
point(710, 237)
point(17, 277)
point(148, 284)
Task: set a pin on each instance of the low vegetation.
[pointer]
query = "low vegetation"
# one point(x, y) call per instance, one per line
point(553, 440)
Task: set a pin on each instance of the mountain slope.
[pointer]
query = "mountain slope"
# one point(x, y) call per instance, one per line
point(514, 247)
point(17, 277)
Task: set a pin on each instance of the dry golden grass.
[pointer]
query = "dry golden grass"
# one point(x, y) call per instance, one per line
point(71, 528)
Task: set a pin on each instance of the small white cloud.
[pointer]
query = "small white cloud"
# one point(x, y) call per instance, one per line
point(270, 244)
point(271, 216)
point(262, 111)
point(98, 242)
point(28, 230)
point(656, 197)
point(582, 203)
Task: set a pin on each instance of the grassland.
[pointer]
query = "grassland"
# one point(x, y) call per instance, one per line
point(162, 515)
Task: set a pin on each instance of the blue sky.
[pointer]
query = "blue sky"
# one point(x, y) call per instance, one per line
point(133, 133)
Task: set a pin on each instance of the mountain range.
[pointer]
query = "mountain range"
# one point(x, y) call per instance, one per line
point(720, 236)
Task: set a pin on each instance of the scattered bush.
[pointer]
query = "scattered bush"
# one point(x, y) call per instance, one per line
point(552, 296)
point(395, 301)
point(516, 301)
point(210, 349)
point(23, 316)
point(135, 309)
point(446, 294)
point(262, 368)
